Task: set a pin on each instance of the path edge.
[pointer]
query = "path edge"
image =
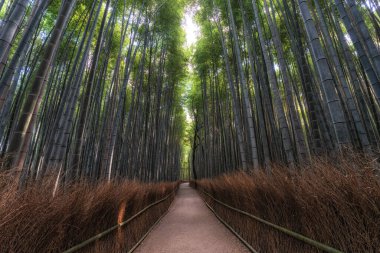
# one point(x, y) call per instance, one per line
point(241, 239)
point(152, 227)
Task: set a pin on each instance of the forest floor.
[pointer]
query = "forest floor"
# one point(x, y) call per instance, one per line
point(190, 226)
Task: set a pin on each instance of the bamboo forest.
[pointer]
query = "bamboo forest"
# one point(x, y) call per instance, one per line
point(189, 126)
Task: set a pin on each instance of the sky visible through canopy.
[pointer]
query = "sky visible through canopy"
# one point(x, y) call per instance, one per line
point(190, 27)
point(192, 33)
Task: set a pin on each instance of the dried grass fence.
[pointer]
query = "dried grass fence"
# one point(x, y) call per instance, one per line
point(334, 202)
point(33, 220)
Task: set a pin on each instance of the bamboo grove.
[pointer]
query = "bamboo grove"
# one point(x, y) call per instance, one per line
point(281, 81)
point(93, 89)
point(90, 89)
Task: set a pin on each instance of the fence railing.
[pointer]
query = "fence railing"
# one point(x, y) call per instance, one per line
point(119, 225)
point(286, 231)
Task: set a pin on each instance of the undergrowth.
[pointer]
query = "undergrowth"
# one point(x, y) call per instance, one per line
point(336, 202)
point(33, 220)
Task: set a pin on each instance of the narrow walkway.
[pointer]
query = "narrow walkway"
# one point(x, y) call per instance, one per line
point(190, 226)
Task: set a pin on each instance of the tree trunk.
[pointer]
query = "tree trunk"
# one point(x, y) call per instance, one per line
point(324, 72)
point(243, 82)
point(236, 111)
point(37, 86)
point(10, 29)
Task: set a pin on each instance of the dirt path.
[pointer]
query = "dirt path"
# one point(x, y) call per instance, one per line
point(190, 226)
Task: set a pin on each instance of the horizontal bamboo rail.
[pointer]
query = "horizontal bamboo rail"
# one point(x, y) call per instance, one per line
point(286, 231)
point(148, 232)
point(232, 230)
point(119, 225)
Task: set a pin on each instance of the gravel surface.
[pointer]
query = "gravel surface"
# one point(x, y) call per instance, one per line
point(190, 226)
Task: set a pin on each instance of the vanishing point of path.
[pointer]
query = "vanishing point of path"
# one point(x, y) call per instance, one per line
point(188, 227)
